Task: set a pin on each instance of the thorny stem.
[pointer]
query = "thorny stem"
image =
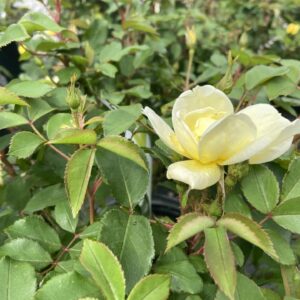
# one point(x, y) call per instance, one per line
point(50, 145)
point(189, 69)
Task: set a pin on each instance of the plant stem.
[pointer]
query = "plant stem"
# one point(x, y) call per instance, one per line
point(189, 69)
point(91, 194)
point(50, 145)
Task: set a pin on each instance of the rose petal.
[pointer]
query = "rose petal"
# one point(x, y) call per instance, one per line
point(164, 131)
point(230, 136)
point(195, 174)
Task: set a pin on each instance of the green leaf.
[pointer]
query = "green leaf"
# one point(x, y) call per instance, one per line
point(23, 144)
point(93, 231)
point(261, 188)
point(291, 281)
point(287, 215)
point(140, 91)
point(7, 97)
point(35, 228)
point(48, 196)
point(75, 136)
point(291, 181)
point(184, 277)
point(38, 108)
point(107, 69)
point(238, 254)
point(282, 247)
point(57, 123)
point(13, 33)
point(25, 250)
point(130, 239)
point(111, 52)
point(260, 74)
point(138, 23)
point(245, 289)
point(280, 86)
point(234, 202)
point(77, 176)
point(29, 88)
point(18, 280)
point(119, 120)
point(9, 119)
point(220, 260)
point(104, 268)
point(39, 22)
point(187, 226)
point(124, 167)
point(152, 287)
point(69, 286)
point(248, 230)
point(64, 218)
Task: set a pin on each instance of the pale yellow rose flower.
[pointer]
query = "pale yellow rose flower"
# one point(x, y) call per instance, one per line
point(292, 28)
point(210, 135)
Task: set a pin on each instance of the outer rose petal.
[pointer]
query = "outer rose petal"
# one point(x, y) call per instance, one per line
point(228, 137)
point(164, 131)
point(202, 97)
point(269, 123)
point(198, 100)
point(195, 174)
point(279, 146)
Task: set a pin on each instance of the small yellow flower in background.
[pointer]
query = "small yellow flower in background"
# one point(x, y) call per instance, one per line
point(210, 135)
point(190, 37)
point(21, 49)
point(292, 28)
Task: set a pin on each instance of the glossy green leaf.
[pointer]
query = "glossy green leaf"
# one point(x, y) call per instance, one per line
point(234, 202)
point(119, 120)
point(69, 286)
point(282, 247)
point(220, 260)
point(48, 196)
point(30, 88)
point(38, 108)
point(152, 287)
point(130, 239)
point(78, 172)
point(248, 230)
point(64, 218)
point(124, 167)
point(107, 69)
point(9, 119)
point(291, 181)
point(36, 21)
point(35, 228)
point(260, 74)
point(26, 250)
point(104, 268)
point(280, 86)
point(187, 226)
point(23, 144)
point(184, 277)
point(18, 280)
point(13, 33)
point(75, 136)
point(58, 122)
point(287, 215)
point(8, 97)
point(245, 289)
point(260, 188)
point(137, 23)
point(111, 52)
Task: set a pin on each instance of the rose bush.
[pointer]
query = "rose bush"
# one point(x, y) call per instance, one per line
point(86, 209)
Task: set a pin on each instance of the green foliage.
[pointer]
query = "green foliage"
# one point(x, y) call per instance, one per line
point(104, 268)
point(86, 211)
point(18, 280)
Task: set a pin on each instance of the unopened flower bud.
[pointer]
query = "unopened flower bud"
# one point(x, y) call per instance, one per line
point(190, 37)
point(73, 95)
